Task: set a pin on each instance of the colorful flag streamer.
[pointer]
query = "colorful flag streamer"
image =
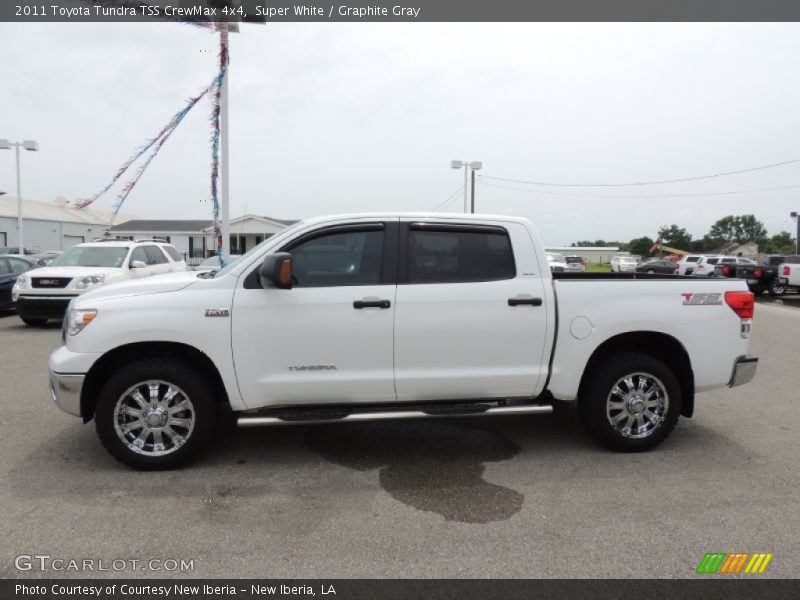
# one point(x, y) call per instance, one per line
point(157, 141)
point(215, 139)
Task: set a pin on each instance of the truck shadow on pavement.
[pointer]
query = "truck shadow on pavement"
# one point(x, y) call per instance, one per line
point(429, 465)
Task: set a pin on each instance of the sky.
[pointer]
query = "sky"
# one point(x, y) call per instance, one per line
point(338, 117)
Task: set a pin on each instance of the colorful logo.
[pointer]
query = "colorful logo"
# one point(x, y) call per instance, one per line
point(735, 562)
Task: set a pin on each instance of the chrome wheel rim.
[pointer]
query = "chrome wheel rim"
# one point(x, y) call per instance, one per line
point(154, 418)
point(637, 405)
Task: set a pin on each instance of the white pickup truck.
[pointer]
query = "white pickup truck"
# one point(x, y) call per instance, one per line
point(788, 275)
point(368, 317)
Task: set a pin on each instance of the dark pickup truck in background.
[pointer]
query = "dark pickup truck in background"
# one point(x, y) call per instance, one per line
point(762, 276)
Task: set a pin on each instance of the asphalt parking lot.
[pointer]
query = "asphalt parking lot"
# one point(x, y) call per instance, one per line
point(525, 496)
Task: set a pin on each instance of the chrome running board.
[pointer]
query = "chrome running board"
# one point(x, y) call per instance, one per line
point(269, 421)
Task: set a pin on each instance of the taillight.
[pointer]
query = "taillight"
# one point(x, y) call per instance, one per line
point(787, 270)
point(757, 272)
point(742, 303)
point(726, 270)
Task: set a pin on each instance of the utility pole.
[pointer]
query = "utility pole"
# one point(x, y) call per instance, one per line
point(472, 189)
point(796, 218)
point(33, 147)
point(224, 167)
point(467, 165)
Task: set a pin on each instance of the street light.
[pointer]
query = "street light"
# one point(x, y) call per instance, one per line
point(796, 218)
point(467, 165)
point(31, 146)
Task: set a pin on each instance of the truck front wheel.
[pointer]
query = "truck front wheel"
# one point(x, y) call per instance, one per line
point(630, 401)
point(155, 414)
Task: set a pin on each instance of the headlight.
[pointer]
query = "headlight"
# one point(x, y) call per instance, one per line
point(79, 318)
point(23, 282)
point(90, 281)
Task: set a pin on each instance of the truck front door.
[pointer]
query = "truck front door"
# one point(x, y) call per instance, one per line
point(329, 339)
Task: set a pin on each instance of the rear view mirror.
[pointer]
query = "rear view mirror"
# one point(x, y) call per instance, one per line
point(276, 271)
point(137, 264)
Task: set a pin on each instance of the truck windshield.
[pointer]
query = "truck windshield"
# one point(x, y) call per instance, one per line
point(91, 256)
point(256, 249)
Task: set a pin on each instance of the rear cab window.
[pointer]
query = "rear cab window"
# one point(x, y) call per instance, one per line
point(458, 254)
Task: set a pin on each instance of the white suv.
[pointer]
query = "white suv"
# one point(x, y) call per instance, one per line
point(687, 263)
point(43, 294)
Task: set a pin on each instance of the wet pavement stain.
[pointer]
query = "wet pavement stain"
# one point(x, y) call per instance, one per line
point(436, 467)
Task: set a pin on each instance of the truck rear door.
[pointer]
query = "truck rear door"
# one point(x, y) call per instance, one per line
point(471, 318)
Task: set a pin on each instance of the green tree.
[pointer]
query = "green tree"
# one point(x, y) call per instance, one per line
point(640, 246)
point(739, 229)
point(675, 237)
point(781, 243)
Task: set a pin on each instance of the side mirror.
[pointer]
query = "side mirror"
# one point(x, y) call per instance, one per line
point(137, 264)
point(276, 271)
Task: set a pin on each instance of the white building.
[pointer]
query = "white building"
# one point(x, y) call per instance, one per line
point(51, 226)
point(195, 238)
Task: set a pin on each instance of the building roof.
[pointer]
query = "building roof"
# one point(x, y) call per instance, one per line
point(60, 211)
point(162, 225)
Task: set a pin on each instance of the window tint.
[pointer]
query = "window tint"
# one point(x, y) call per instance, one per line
point(458, 256)
point(173, 253)
point(154, 255)
point(712, 261)
point(4, 268)
point(337, 259)
point(692, 259)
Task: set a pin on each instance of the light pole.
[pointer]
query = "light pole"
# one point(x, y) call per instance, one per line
point(33, 147)
point(467, 165)
point(796, 218)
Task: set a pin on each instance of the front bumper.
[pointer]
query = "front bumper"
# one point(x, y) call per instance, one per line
point(744, 369)
point(65, 390)
point(43, 307)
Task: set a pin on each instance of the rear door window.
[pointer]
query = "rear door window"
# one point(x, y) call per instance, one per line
point(458, 255)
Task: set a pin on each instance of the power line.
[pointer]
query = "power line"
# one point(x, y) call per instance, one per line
point(450, 199)
point(635, 183)
point(549, 193)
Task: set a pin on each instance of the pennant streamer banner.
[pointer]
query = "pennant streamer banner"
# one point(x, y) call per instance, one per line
point(155, 144)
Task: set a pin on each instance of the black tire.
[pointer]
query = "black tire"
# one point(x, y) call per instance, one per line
point(192, 385)
point(33, 322)
point(596, 391)
point(776, 289)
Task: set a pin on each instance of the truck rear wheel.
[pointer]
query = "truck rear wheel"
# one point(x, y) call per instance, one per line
point(155, 414)
point(630, 401)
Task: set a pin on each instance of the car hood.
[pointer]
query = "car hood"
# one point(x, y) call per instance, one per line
point(157, 284)
point(71, 271)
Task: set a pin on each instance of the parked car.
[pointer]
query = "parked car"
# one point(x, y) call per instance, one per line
point(557, 262)
point(575, 264)
point(14, 250)
point(687, 263)
point(43, 259)
point(704, 267)
point(212, 263)
point(44, 293)
point(11, 267)
point(727, 265)
point(663, 267)
point(410, 317)
point(762, 276)
point(623, 264)
point(789, 275)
